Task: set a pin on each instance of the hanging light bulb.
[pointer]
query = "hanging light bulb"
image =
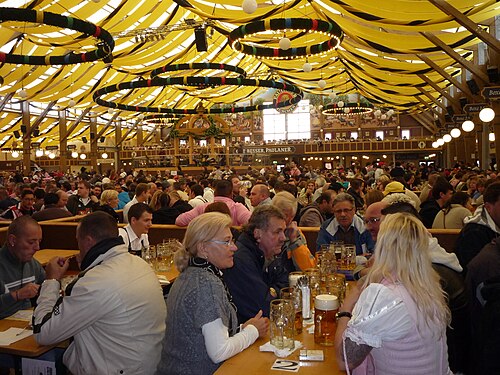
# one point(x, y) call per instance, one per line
point(468, 126)
point(39, 153)
point(52, 155)
point(141, 116)
point(491, 137)
point(22, 94)
point(104, 155)
point(347, 110)
point(307, 67)
point(74, 155)
point(487, 114)
point(15, 154)
point(83, 156)
point(332, 95)
point(249, 6)
point(285, 43)
point(440, 141)
point(447, 138)
point(71, 103)
point(110, 111)
point(321, 83)
point(455, 132)
point(340, 104)
point(435, 145)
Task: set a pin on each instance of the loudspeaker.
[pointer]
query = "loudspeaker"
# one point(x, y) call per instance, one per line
point(36, 132)
point(463, 102)
point(103, 139)
point(473, 87)
point(492, 73)
point(92, 135)
point(23, 129)
point(450, 110)
point(200, 37)
point(16, 134)
point(84, 139)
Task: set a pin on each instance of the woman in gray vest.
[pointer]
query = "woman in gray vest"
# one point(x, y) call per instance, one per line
point(202, 326)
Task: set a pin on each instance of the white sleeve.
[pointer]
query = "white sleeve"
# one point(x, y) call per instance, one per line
point(379, 315)
point(220, 346)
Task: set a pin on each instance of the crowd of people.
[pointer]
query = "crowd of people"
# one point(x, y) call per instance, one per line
point(417, 308)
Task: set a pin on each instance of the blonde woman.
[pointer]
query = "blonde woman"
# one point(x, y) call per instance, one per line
point(109, 202)
point(397, 325)
point(202, 327)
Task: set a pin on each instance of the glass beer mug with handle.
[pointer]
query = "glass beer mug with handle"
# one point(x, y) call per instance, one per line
point(282, 320)
point(325, 324)
point(294, 294)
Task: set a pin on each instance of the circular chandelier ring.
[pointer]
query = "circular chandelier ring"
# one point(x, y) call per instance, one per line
point(196, 81)
point(331, 29)
point(348, 109)
point(161, 119)
point(198, 66)
point(103, 49)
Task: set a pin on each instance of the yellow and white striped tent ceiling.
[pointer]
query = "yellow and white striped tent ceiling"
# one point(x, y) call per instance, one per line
point(381, 56)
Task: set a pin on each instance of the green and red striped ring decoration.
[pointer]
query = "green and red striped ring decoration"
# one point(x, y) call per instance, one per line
point(282, 25)
point(103, 49)
point(198, 66)
point(196, 81)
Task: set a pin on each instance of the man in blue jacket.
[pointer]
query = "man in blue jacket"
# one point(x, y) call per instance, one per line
point(345, 226)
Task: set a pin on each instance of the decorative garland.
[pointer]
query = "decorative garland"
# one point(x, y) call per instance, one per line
point(348, 109)
point(196, 81)
point(103, 51)
point(160, 120)
point(283, 25)
point(212, 66)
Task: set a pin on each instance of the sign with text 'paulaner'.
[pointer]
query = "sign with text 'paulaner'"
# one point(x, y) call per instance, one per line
point(269, 150)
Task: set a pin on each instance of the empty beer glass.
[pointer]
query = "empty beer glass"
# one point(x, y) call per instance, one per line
point(295, 295)
point(282, 320)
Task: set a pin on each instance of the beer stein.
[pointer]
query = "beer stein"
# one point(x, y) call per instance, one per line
point(295, 295)
point(282, 319)
point(325, 324)
point(348, 260)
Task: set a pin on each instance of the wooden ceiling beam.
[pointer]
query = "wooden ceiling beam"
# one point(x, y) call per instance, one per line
point(432, 99)
point(429, 107)
point(443, 92)
point(5, 100)
point(75, 125)
point(108, 124)
point(423, 123)
point(148, 137)
point(39, 119)
point(462, 87)
point(471, 67)
point(466, 22)
point(132, 128)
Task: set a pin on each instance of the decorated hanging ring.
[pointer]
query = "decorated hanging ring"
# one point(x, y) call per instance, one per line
point(103, 49)
point(283, 26)
point(162, 119)
point(348, 109)
point(196, 81)
point(198, 66)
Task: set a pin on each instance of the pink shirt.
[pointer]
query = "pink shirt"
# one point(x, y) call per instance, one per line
point(239, 213)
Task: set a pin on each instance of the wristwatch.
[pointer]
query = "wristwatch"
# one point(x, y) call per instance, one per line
point(342, 314)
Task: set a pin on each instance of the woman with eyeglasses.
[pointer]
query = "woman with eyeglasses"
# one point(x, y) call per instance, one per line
point(202, 326)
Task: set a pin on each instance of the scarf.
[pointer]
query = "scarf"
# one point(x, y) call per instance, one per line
point(209, 267)
point(98, 249)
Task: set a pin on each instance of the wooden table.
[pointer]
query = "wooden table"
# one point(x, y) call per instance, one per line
point(170, 275)
point(26, 347)
point(252, 361)
point(43, 256)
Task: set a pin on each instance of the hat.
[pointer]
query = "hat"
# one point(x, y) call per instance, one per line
point(106, 180)
point(394, 187)
point(335, 186)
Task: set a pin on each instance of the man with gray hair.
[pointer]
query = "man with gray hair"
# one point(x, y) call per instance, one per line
point(345, 226)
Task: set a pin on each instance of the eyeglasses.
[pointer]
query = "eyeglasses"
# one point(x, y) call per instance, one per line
point(372, 220)
point(226, 243)
point(343, 211)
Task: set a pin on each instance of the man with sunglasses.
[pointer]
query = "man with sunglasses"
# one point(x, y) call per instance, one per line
point(345, 226)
